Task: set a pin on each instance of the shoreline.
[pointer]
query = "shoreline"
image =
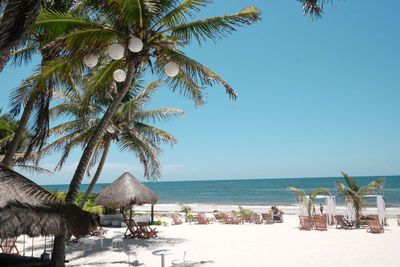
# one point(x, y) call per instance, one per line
point(390, 212)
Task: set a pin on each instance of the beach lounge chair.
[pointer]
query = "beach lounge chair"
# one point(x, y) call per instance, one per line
point(305, 223)
point(8, 246)
point(132, 230)
point(320, 223)
point(343, 222)
point(255, 218)
point(374, 226)
point(146, 231)
point(176, 219)
point(278, 218)
point(267, 217)
point(202, 219)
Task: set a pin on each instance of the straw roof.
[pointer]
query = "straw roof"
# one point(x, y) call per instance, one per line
point(126, 190)
point(27, 208)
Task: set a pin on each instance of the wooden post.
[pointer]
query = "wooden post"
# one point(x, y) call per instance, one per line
point(152, 212)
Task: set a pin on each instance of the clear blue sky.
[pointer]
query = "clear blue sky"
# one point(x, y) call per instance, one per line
point(315, 98)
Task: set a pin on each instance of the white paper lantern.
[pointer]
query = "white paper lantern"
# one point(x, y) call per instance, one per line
point(135, 45)
point(119, 75)
point(116, 51)
point(91, 60)
point(171, 69)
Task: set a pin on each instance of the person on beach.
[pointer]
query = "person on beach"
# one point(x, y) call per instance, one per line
point(313, 209)
point(321, 208)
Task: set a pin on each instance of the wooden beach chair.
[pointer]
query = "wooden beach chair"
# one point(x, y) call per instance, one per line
point(202, 219)
point(176, 220)
point(8, 246)
point(374, 227)
point(267, 217)
point(320, 223)
point(132, 230)
point(343, 222)
point(255, 218)
point(305, 223)
point(278, 218)
point(146, 231)
point(95, 230)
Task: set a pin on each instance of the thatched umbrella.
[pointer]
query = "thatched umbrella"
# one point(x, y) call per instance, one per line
point(126, 191)
point(27, 208)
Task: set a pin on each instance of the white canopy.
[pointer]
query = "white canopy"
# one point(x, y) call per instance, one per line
point(380, 205)
point(330, 203)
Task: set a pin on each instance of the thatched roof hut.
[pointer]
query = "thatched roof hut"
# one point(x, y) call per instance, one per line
point(27, 208)
point(126, 191)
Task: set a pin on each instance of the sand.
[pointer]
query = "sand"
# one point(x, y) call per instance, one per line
point(280, 244)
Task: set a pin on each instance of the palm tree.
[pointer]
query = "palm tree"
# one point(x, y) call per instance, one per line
point(308, 201)
point(355, 194)
point(162, 27)
point(128, 129)
point(17, 19)
point(36, 91)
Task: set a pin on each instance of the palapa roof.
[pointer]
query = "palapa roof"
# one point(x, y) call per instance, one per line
point(126, 190)
point(27, 208)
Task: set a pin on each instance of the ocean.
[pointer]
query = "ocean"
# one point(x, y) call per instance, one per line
point(251, 191)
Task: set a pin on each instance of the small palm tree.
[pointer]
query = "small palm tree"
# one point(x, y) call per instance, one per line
point(302, 197)
point(128, 129)
point(355, 194)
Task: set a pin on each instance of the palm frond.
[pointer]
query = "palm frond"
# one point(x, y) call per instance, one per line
point(373, 187)
point(180, 13)
point(301, 195)
point(158, 115)
point(214, 28)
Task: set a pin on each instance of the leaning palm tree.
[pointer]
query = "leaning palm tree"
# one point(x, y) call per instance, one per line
point(164, 29)
point(129, 129)
point(162, 26)
point(308, 200)
point(35, 93)
point(355, 194)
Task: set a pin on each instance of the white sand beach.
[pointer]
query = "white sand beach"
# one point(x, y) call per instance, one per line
point(279, 244)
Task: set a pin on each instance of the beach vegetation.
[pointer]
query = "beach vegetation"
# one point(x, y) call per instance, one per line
point(130, 128)
point(186, 209)
point(156, 223)
point(355, 195)
point(243, 213)
point(308, 200)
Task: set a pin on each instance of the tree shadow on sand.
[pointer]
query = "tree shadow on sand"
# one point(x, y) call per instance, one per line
point(130, 246)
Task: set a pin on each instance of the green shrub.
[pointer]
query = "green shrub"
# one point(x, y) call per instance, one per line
point(155, 223)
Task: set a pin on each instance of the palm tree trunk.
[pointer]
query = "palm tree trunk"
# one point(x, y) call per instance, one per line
point(58, 255)
point(18, 18)
point(98, 171)
point(98, 134)
point(8, 158)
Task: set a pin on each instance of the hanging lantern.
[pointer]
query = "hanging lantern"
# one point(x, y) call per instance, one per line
point(119, 75)
point(135, 45)
point(116, 51)
point(171, 69)
point(91, 60)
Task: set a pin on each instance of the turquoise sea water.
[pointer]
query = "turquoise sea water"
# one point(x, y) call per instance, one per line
point(250, 192)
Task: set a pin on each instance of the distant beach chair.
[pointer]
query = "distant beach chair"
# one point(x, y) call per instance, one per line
point(202, 219)
point(267, 217)
point(8, 246)
point(278, 217)
point(305, 223)
point(343, 222)
point(176, 219)
point(320, 223)
point(146, 231)
point(255, 218)
point(374, 227)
